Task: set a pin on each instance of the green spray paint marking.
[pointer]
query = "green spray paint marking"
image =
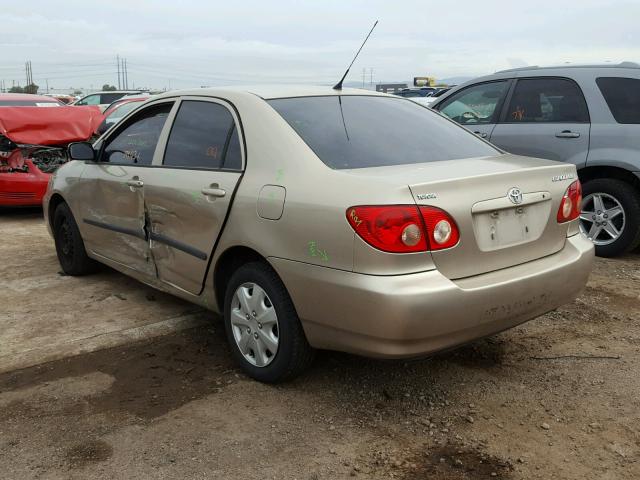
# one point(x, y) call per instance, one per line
point(279, 174)
point(314, 251)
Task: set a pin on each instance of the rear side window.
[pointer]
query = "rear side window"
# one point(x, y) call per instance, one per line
point(203, 136)
point(136, 143)
point(366, 131)
point(547, 100)
point(475, 105)
point(623, 97)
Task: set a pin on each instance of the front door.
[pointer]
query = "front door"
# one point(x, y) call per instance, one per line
point(188, 197)
point(477, 107)
point(114, 223)
point(546, 118)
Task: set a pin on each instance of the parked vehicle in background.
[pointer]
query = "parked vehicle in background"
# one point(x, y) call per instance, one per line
point(118, 110)
point(104, 99)
point(33, 144)
point(585, 115)
point(27, 100)
point(62, 98)
point(415, 92)
point(322, 218)
point(431, 97)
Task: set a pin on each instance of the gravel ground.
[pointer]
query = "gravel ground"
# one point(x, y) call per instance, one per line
point(554, 398)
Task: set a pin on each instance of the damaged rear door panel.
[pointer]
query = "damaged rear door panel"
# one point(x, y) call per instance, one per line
point(186, 212)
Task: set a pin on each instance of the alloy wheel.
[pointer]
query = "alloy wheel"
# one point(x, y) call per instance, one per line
point(254, 324)
point(602, 218)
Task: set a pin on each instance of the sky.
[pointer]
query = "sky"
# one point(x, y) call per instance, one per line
point(185, 43)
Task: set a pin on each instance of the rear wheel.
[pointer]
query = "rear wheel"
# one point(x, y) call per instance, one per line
point(69, 245)
point(263, 328)
point(610, 216)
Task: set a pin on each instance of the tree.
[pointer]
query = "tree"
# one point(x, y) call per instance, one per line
point(16, 89)
point(77, 92)
point(108, 88)
point(32, 88)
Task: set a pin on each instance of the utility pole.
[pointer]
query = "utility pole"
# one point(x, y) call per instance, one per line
point(371, 78)
point(47, 80)
point(364, 73)
point(126, 75)
point(118, 60)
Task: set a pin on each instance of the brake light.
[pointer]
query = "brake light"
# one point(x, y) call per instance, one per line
point(403, 228)
point(570, 204)
point(391, 228)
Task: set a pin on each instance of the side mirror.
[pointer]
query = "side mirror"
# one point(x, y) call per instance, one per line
point(81, 151)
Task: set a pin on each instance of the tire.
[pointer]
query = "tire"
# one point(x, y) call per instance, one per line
point(628, 198)
point(293, 354)
point(69, 245)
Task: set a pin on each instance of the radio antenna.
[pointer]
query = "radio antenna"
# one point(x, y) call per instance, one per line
point(338, 86)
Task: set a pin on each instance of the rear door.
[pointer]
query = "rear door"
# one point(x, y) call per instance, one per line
point(114, 217)
point(477, 107)
point(188, 196)
point(545, 117)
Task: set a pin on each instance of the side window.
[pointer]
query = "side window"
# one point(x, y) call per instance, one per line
point(540, 100)
point(623, 97)
point(233, 158)
point(203, 136)
point(136, 143)
point(475, 105)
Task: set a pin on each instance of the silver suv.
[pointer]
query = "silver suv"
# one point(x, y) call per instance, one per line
point(585, 115)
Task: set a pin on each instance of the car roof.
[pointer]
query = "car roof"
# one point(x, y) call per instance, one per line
point(269, 92)
point(573, 65)
point(25, 96)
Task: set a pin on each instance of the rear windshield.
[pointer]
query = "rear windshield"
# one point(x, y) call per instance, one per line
point(367, 131)
point(622, 96)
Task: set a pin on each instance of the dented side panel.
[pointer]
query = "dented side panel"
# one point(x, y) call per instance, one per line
point(184, 222)
point(114, 221)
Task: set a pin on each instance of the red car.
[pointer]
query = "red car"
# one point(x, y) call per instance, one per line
point(33, 142)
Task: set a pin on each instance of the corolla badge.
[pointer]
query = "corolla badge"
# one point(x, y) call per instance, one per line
point(515, 195)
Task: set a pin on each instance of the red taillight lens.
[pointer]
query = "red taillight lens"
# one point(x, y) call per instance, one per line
point(570, 203)
point(401, 228)
point(443, 231)
point(392, 228)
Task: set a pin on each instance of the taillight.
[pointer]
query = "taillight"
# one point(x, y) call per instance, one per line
point(403, 228)
point(570, 203)
point(443, 231)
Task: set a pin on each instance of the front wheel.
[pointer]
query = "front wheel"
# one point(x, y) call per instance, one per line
point(69, 245)
point(263, 328)
point(610, 216)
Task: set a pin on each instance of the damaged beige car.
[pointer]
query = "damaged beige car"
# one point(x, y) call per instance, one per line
point(316, 218)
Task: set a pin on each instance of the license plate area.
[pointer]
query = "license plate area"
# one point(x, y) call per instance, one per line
point(507, 227)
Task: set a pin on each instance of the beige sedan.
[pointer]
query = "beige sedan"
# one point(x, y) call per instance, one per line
point(316, 218)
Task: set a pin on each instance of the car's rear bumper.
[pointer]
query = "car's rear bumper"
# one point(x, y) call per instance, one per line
point(416, 314)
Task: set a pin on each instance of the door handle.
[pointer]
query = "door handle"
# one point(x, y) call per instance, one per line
point(135, 183)
point(567, 134)
point(213, 192)
point(481, 134)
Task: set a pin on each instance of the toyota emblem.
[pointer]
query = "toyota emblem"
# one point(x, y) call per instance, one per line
point(515, 195)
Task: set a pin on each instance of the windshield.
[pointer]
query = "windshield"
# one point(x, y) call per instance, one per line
point(366, 131)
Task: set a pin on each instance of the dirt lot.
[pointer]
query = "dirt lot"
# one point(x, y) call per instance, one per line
point(555, 398)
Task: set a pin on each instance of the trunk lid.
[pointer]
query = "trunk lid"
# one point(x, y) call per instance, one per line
point(495, 232)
